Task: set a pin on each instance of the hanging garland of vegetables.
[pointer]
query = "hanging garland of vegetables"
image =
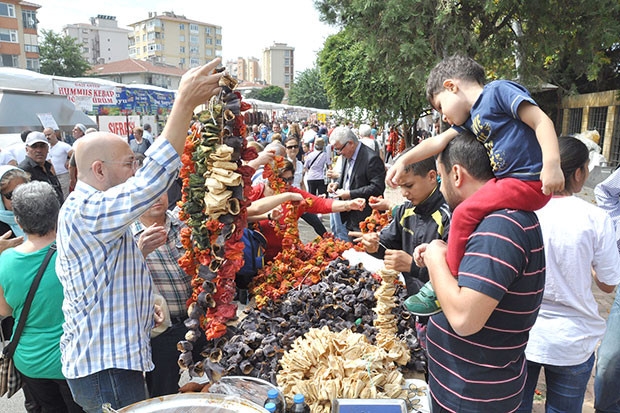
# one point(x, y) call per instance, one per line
point(214, 203)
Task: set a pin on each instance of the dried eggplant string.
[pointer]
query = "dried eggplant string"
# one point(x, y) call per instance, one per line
point(214, 203)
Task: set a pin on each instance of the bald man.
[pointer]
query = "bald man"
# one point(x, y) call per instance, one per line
point(108, 304)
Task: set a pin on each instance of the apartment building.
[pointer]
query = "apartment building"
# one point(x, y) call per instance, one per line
point(279, 65)
point(19, 46)
point(102, 41)
point(175, 40)
point(247, 69)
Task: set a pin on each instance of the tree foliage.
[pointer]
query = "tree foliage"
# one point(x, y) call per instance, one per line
point(61, 55)
point(308, 90)
point(268, 94)
point(381, 58)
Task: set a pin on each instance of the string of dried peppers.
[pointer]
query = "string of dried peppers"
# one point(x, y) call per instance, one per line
point(214, 203)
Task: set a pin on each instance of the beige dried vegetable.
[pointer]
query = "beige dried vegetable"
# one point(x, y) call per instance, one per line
point(324, 365)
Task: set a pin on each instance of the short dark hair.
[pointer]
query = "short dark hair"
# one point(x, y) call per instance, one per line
point(36, 207)
point(456, 67)
point(24, 134)
point(423, 167)
point(467, 151)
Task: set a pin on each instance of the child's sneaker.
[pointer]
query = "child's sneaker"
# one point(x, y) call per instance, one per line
point(424, 303)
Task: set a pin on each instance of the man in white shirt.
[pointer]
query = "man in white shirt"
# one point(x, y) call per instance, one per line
point(147, 133)
point(18, 150)
point(59, 154)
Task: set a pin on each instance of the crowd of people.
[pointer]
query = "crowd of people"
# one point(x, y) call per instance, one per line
point(483, 241)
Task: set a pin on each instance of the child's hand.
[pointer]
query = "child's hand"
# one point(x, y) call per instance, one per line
point(552, 179)
point(394, 173)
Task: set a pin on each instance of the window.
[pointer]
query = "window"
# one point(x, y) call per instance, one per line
point(194, 62)
point(218, 31)
point(85, 49)
point(32, 64)
point(193, 28)
point(218, 42)
point(33, 48)
point(209, 52)
point(194, 39)
point(7, 10)
point(597, 120)
point(194, 50)
point(181, 26)
point(154, 47)
point(574, 120)
point(30, 19)
point(209, 40)
point(182, 60)
point(182, 49)
point(614, 155)
point(9, 60)
point(208, 31)
point(7, 35)
point(181, 38)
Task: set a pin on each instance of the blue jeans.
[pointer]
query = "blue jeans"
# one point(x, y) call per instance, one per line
point(566, 386)
point(338, 228)
point(606, 391)
point(118, 387)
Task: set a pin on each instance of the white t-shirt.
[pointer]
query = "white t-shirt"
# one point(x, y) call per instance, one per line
point(577, 236)
point(58, 156)
point(5, 157)
point(18, 150)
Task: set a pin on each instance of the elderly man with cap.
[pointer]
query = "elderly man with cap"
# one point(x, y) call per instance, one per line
point(78, 131)
point(37, 165)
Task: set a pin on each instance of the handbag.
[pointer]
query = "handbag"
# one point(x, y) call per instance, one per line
point(10, 380)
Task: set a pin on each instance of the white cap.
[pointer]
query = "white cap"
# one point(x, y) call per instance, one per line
point(34, 137)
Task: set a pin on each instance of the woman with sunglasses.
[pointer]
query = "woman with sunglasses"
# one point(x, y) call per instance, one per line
point(319, 206)
point(10, 178)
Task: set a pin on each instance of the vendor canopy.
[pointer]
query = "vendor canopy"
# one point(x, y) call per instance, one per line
point(19, 111)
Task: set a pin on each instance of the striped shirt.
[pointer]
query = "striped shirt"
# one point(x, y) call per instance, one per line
point(607, 195)
point(108, 304)
point(170, 280)
point(486, 371)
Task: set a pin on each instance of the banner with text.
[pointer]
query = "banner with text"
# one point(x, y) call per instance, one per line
point(86, 94)
point(120, 125)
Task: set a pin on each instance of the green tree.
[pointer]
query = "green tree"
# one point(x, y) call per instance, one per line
point(381, 58)
point(308, 90)
point(268, 94)
point(61, 55)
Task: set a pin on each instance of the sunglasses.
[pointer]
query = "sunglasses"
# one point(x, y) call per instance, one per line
point(292, 147)
point(8, 195)
point(288, 180)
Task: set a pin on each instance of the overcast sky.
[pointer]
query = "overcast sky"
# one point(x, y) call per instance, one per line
point(247, 26)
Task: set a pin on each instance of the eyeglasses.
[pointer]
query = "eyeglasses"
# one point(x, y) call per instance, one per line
point(288, 180)
point(338, 150)
point(134, 164)
point(292, 147)
point(8, 195)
